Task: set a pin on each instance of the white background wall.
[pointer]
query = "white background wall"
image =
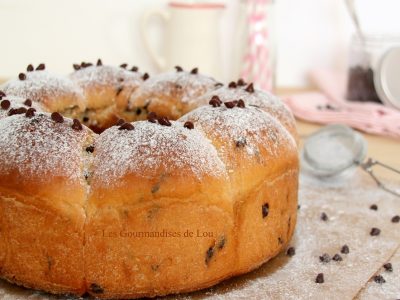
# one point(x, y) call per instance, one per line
point(310, 33)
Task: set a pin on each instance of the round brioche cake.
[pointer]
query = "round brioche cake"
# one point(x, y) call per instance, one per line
point(121, 185)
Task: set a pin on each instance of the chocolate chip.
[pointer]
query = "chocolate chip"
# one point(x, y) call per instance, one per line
point(178, 68)
point(164, 121)
point(138, 111)
point(345, 249)
point(218, 84)
point(194, 71)
point(40, 67)
point(5, 104)
point(265, 210)
point(90, 149)
point(119, 90)
point(29, 68)
point(250, 88)
point(99, 62)
point(85, 119)
point(30, 112)
point(241, 103)
point(134, 69)
point(396, 219)
point(145, 76)
point(215, 101)
point(188, 125)
point(22, 76)
point(2, 94)
point(85, 64)
point(17, 111)
point(241, 142)
point(123, 66)
point(120, 122)
point(337, 257)
point(241, 82)
point(375, 231)
point(379, 279)
point(56, 117)
point(76, 67)
point(373, 207)
point(232, 85)
point(325, 258)
point(324, 217)
point(28, 102)
point(291, 251)
point(209, 254)
point(76, 125)
point(230, 104)
point(320, 278)
point(388, 267)
point(152, 117)
point(95, 288)
point(126, 126)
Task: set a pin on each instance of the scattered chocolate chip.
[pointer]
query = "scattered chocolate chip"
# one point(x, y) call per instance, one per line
point(379, 279)
point(126, 126)
point(76, 125)
point(30, 112)
point(194, 71)
point(40, 67)
point(209, 254)
point(218, 84)
point(17, 111)
point(119, 90)
point(164, 121)
point(120, 122)
point(241, 82)
point(375, 231)
point(99, 62)
point(215, 101)
point(85, 64)
point(265, 210)
point(241, 103)
point(232, 85)
point(373, 207)
point(320, 278)
point(324, 217)
point(345, 249)
point(29, 68)
point(145, 76)
point(95, 288)
point(325, 258)
point(152, 117)
point(138, 111)
point(241, 142)
point(250, 88)
point(90, 149)
point(291, 251)
point(388, 267)
point(56, 117)
point(85, 119)
point(396, 219)
point(123, 66)
point(22, 76)
point(2, 94)
point(76, 67)
point(230, 104)
point(134, 69)
point(28, 102)
point(178, 68)
point(337, 257)
point(5, 104)
point(188, 125)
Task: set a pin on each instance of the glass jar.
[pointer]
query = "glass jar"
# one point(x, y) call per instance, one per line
point(364, 66)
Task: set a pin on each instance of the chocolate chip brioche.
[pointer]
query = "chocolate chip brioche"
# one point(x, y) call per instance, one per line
point(146, 208)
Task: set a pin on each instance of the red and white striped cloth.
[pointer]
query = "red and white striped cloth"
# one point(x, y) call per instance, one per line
point(330, 107)
point(258, 60)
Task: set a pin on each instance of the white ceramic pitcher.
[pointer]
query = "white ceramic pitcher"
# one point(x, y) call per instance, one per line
point(191, 36)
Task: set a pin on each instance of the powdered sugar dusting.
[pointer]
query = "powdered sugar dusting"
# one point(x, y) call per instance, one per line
point(192, 85)
point(42, 86)
point(41, 148)
point(249, 125)
point(17, 102)
point(150, 148)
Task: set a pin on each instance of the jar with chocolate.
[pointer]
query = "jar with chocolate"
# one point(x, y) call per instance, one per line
point(367, 75)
